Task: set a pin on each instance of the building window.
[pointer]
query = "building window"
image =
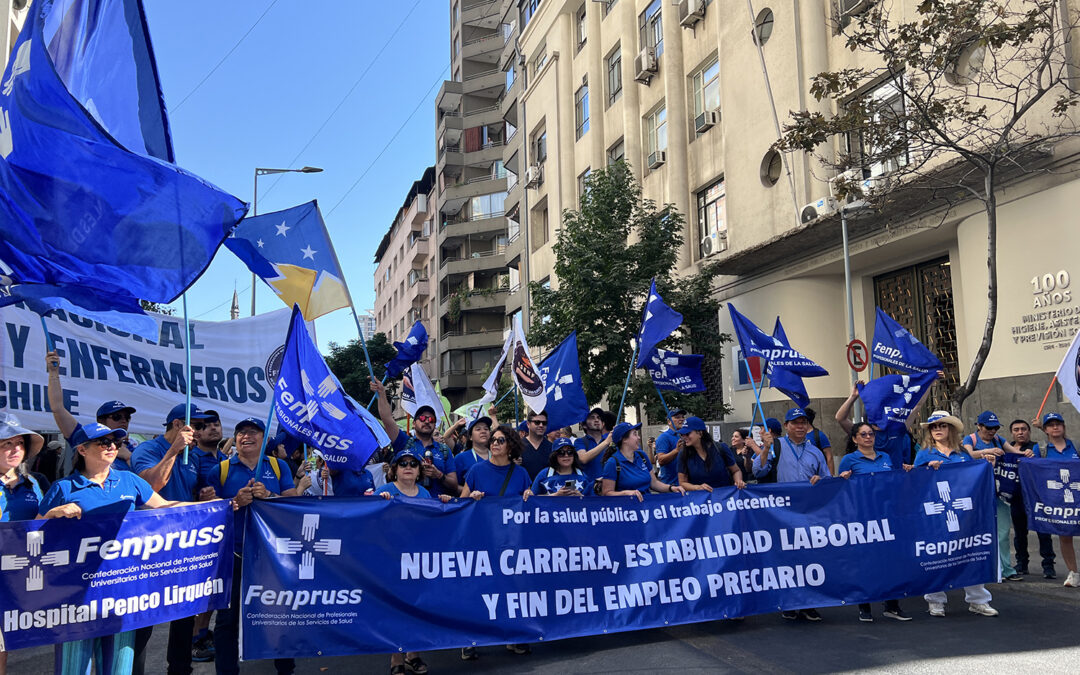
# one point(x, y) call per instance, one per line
point(712, 218)
point(487, 206)
point(540, 59)
point(707, 88)
point(539, 228)
point(540, 147)
point(614, 75)
point(582, 31)
point(651, 28)
point(581, 182)
point(581, 110)
point(772, 165)
point(886, 106)
point(656, 123)
point(763, 26)
point(509, 72)
point(606, 6)
point(528, 8)
point(455, 46)
point(457, 13)
point(616, 152)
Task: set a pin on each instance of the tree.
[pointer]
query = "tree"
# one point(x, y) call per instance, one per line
point(348, 365)
point(148, 306)
point(606, 253)
point(961, 99)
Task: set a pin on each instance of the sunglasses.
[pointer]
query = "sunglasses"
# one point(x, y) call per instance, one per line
point(199, 426)
point(499, 440)
point(564, 452)
point(425, 418)
point(106, 442)
point(119, 417)
point(867, 434)
point(409, 464)
point(539, 423)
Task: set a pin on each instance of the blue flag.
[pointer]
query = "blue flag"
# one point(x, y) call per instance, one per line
point(889, 400)
point(561, 372)
point(896, 347)
point(783, 380)
point(659, 322)
point(312, 406)
point(290, 250)
point(672, 371)
point(409, 351)
point(1051, 491)
point(754, 342)
point(93, 210)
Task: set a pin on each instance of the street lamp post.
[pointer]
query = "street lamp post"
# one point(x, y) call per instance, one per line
point(854, 208)
point(260, 171)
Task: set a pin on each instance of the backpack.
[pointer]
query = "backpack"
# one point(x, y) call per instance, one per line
point(224, 468)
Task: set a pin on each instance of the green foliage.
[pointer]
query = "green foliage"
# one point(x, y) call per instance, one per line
point(348, 365)
point(156, 307)
point(606, 254)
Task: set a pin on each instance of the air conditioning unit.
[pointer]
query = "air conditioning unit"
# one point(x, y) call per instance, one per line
point(815, 210)
point(713, 242)
point(690, 12)
point(706, 120)
point(534, 176)
point(657, 159)
point(645, 65)
point(849, 8)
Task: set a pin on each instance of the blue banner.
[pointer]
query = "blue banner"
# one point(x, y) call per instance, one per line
point(408, 352)
point(889, 400)
point(1051, 494)
point(561, 373)
point(672, 371)
point(660, 321)
point(783, 380)
point(1007, 476)
point(311, 405)
point(896, 347)
point(64, 580)
point(754, 342)
point(367, 575)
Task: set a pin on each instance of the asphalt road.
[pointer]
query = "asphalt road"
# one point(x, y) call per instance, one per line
point(1036, 632)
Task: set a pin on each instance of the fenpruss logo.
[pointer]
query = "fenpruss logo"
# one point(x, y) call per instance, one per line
point(950, 507)
point(34, 560)
point(310, 527)
point(1065, 485)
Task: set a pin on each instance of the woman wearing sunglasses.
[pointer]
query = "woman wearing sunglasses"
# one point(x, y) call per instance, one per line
point(702, 464)
point(941, 445)
point(863, 459)
point(564, 476)
point(96, 488)
point(627, 471)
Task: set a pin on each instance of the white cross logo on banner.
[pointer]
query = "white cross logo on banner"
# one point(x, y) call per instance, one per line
point(310, 527)
point(664, 362)
point(35, 577)
point(906, 390)
point(20, 66)
point(1066, 485)
point(948, 506)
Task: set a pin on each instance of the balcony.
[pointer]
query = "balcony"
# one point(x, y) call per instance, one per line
point(485, 49)
point(485, 83)
point(419, 210)
point(455, 196)
point(450, 126)
point(450, 155)
point(420, 251)
point(514, 299)
point(463, 227)
point(473, 339)
point(483, 14)
point(515, 247)
point(479, 261)
point(463, 379)
point(418, 292)
point(449, 96)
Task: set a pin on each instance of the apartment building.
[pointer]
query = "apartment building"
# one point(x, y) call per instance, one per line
point(405, 268)
point(685, 92)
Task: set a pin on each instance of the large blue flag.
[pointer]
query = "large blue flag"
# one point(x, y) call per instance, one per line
point(409, 351)
point(896, 347)
point(889, 400)
point(659, 322)
point(93, 210)
point(754, 342)
point(783, 380)
point(561, 373)
point(672, 371)
point(290, 250)
point(1051, 490)
point(311, 404)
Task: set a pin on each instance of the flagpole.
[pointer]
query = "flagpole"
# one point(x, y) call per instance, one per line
point(517, 417)
point(1041, 405)
point(266, 432)
point(753, 385)
point(501, 398)
point(187, 370)
point(376, 396)
point(667, 413)
point(52, 347)
point(633, 360)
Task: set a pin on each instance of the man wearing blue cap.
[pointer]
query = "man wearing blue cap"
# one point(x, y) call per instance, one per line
point(667, 447)
point(797, 461)
point(438, 474)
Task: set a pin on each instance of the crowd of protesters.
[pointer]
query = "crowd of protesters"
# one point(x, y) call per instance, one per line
point(193, 461)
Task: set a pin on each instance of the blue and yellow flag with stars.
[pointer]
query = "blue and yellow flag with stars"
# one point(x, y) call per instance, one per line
point(290, 250)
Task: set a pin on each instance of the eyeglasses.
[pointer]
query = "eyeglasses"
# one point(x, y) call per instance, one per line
point(425, 418)
point(539, 423)
point(564, 452)
point(202, 424)
point(250, 431)
point(106, 442)
point(409, 464)
point(119, 417)
point(499, 440)
point(866, 434)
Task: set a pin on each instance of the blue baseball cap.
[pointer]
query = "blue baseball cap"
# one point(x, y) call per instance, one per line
point(675, 412)
point(794, 414)
point(110, 407)
point(692, 424)
point(561, 443)
point(523, 426)
point(485, 419)
point(988, 419)
point(250, 422)
point(88, 432)
point(406, 452)
point(620, 431)
point(773, 425)
point(1052, 417)
point(180, 411)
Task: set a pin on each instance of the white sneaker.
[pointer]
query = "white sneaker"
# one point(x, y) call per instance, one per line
point(982, 608)
point(1073, 580)
point(937, 609)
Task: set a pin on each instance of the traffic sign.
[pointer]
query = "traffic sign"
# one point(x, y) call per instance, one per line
point(858, 356)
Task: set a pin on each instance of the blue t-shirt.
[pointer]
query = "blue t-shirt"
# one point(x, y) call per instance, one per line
point(665, 443)
point(858, 463)
point(716, 475)
point(535, 460)
point(927, 455)
point(633, 474)
point(21, 501)
point(594, 467)
point(237, 476)
point(548, 482)
point(487, 478)
point(204, 461)
point(355, 483)
point(393, 490)
point(896, 445)
point(465, 461)
point(1068, 453)
point(183, 479)
point(819, 439)
point(441, 458)
point(121, 492)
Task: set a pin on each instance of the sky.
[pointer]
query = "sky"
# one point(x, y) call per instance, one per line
point(287, 66)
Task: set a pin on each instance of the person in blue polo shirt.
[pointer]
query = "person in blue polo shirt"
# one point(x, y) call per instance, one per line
point(704, 464)
point(941, 445)
point(667, 447)
point(898, 443)
point(563, 477)
point(96, 488)
point(1058, 446)
point(244, 477)
point(438, 474)
point(862, 459)
point(597, 427)
point(626, 466)
point(477, 448)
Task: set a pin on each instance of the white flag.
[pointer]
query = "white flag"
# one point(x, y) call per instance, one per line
point(491, 385)
point(524, 371)
point(1068, 374)
point(423, 394)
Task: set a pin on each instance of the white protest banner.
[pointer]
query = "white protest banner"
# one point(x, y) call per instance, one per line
point(229, 364)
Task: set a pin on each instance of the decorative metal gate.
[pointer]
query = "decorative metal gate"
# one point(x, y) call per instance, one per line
point(920, 298)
